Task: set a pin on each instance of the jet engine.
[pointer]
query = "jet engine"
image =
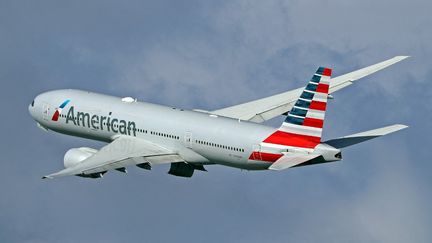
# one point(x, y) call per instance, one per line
point(184, 170)
point(75, 156)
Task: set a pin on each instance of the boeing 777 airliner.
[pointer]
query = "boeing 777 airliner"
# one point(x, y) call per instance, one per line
point(146, 135)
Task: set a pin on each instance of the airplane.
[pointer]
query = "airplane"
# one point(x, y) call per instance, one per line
point(147, 135)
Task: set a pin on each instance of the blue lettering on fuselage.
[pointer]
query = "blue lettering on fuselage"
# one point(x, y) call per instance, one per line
point(116, 125)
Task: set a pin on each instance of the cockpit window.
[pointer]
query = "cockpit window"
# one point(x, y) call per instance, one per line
point(32, 104)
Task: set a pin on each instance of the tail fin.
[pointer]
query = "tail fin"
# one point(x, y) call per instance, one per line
point(303, 125)
point(307, 115)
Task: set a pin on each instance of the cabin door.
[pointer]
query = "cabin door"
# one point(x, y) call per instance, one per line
point(45, 111)
point(188, 139)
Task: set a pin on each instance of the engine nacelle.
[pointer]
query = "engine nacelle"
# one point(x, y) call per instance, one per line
point(75, 156)
point(181, 169)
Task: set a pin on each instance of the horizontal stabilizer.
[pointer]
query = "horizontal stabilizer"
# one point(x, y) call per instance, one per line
point(364, 136)
point(291, 160)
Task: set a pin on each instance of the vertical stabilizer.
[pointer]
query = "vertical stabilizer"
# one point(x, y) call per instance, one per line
point(304, 123)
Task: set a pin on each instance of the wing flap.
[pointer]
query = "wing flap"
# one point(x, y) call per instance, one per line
point(291, 160)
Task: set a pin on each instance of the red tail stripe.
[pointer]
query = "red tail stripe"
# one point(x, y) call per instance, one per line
point(327, 72)
point(292, 139)
point(313, 122)
point(322, 88)
point(318, 105)
point(264, 156)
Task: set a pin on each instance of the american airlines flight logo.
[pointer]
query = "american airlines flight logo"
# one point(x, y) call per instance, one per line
point(94, 121)
point(58, 111)
point(98, 122)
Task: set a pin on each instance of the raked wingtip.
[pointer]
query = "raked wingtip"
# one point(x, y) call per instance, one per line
point(402, 57)
point(402, 126)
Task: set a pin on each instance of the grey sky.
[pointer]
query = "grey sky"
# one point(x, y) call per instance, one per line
point(207, 55)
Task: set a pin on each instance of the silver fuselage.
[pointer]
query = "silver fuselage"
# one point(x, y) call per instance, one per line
point(197, 136)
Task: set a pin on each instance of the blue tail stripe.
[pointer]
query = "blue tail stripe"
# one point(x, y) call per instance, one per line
point(298, 112)
point(294, 120)
point(307, 95)
point(316, 79)
point(302, 103)
point(311, 87)
point(320, 70)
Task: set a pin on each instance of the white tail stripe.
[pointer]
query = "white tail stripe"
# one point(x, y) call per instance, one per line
point(321, 97)
point(323, 77)
point(325, 80)
point(295, 116)
point(301, 108)
point(305, 99)
point(303, 130)
point(316, 92)
point(313, 110)
point(288, 148)
point(295, 126)
point(315, 114)
point(310, 113)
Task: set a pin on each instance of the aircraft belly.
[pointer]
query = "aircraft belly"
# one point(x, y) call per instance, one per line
point(250, 165)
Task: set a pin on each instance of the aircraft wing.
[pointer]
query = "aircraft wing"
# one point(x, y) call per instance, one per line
point(267, 108)
point(121, 152)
